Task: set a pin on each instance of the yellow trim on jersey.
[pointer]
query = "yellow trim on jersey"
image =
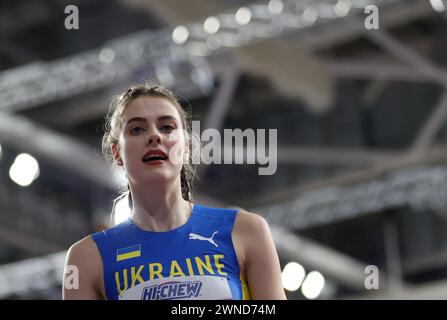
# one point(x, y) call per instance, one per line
point(245, 289)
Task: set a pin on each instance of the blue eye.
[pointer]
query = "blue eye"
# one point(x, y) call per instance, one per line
point(167, 128)
point(136, 130)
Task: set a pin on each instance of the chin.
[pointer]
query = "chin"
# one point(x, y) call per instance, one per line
point(157, 176)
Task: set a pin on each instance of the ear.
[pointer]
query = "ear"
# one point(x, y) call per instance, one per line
point(116, 155)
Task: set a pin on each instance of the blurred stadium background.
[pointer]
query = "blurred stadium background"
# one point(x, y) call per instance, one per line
point(360, 114)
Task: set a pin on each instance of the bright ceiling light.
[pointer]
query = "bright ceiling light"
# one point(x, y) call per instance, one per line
point(211, 25)
point(24, 170)
point(310, 15)
point(342, 8)
point(107, 55)
point(275, 7)
point(180, 34)
point(292, 276)
point(312, 285)
point(243, 16)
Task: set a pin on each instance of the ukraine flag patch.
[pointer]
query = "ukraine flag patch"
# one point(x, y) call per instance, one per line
point(128, 253)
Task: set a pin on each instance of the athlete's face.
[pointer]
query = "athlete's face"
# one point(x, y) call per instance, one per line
point(152, 144)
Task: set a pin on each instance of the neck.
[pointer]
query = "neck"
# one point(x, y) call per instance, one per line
point(159, 208)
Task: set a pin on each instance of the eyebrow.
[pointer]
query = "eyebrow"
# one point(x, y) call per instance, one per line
point(140, 119)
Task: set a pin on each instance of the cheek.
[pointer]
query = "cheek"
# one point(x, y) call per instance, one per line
point(128, 148)
point(176, 147)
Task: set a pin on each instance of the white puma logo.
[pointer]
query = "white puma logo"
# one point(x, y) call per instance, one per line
point(195, 236)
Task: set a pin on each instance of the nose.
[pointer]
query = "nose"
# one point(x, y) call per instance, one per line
point(154, 139)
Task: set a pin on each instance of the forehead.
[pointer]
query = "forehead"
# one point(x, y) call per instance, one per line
point(150, 108)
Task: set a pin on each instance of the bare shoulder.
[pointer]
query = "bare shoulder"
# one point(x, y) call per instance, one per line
point(250, 230)
point(260, 260)
point(249, 222)
point(85, 257)
point(84, 248)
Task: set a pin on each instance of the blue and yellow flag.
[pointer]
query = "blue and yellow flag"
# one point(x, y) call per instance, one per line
point(128, 253)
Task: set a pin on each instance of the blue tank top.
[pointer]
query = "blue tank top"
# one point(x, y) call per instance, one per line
point(194, 261)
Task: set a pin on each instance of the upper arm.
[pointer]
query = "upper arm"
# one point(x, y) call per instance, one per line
point(83, 272)
point(260, 259)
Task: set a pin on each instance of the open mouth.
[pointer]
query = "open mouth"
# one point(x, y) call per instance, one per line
point(155, 156)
